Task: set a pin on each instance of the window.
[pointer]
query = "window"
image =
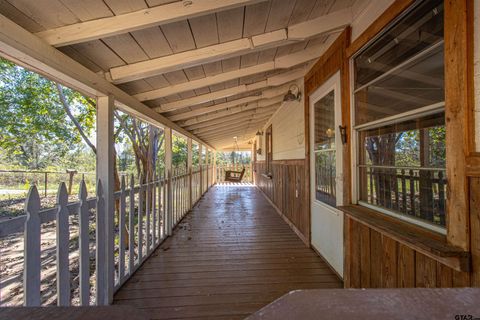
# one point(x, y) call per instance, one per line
point(399, 118)
point(324, 148)
point(268, 150)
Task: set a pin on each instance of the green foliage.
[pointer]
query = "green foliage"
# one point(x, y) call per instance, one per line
point(34, 128)
point(237, 157)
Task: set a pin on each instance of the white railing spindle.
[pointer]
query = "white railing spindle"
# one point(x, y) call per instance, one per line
point(131, 228)
point(140, 221)
point(122, 232)
point(31, 279)
point(63, 236)
point(101, 284)
point(84, 250)
point(148, 211)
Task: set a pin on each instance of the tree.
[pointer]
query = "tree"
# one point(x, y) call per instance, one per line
point(34, 130)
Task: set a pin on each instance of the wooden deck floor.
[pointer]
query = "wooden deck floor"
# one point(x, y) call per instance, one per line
point(230, 256)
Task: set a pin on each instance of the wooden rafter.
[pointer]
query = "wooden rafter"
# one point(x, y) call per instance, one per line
point(128, 22)
point(267, 93)
point(275, 80)
point(230, 124)
point(223, 113)
point(153, 67)
point(260, 101)
point(255, 113)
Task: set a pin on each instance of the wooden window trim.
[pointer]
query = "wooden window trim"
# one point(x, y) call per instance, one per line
point(459, 99)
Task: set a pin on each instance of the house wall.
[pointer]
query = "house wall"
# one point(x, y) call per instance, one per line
point(288, 127)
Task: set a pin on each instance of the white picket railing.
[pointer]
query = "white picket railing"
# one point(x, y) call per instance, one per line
point(146, 215)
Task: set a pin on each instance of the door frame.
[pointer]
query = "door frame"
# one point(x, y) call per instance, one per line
point(332, 83)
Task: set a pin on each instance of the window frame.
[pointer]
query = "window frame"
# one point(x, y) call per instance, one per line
point(408, 115)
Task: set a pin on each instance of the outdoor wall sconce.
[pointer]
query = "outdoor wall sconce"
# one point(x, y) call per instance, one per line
point(293, 94)
point(343, 133)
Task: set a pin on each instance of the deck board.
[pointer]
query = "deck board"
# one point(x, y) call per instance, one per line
point(230, 256)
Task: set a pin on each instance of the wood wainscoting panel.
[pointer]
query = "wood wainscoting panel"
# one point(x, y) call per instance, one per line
point(286, 190)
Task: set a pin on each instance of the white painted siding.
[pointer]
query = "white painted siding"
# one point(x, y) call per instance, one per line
point(288, 127)
point(477, 73)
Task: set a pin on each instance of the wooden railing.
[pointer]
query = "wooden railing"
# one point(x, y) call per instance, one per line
point(146, 214)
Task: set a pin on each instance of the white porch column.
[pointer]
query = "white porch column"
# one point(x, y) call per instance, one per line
point(105, 161)
point(168, 171)
point(215, 166)
point(189, 170)
point(200, 163)
point(207, 163)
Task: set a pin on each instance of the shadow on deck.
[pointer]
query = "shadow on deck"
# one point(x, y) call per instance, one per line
point(230, 256)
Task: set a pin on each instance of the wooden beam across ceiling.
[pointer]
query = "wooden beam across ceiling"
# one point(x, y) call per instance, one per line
point(260, 100)
point(230, 119)
point(161, 65)
point(132, 21)
point(275, 80)
point(223, 113)
point(26, 49)
point(230, 125)
point(284, 62)
point(209, 97)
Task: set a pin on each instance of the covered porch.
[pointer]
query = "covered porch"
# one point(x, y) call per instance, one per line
point(229, 257)
point(362, 121)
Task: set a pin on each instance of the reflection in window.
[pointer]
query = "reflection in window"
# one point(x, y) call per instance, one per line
point(399, 100)
point(402, 168)
point(324, 148)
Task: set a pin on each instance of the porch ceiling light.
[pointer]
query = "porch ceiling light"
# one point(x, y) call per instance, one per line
point(293, 94)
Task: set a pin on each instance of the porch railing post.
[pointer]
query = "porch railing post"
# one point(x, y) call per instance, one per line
point(200, 165)
point(168, 168)
point(189, 170)
point(105, 162)
point(214, 167)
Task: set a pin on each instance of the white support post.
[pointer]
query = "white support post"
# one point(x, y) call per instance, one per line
point(215, 166)
point(207, 162)
point(105, 154)
point(200, 163)
point(168, 170)
point(189, 170)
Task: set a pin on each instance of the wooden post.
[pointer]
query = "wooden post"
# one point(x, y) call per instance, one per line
point(207, 162)
point(83, 246)
point(46, 183)
point(215, 166)
point(168, 169)
point(189, 170)
point(105, 154)
point(32, 260)
point(71, 173)
point(200, 164)
point(62, 237)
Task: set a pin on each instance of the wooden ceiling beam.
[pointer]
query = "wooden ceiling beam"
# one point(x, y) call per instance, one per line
point(262, 100)
point(29, 51)
point(230, 133)
point(191, 58)
point(230, 124)
point(223, 113)
point(275, 80)
point(229, 119)
point(128, 22)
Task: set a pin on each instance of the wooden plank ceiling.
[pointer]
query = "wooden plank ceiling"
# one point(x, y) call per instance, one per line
point(217, 68)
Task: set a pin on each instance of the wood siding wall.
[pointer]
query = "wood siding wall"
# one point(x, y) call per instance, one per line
point(375, 260)
point(286, 191)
